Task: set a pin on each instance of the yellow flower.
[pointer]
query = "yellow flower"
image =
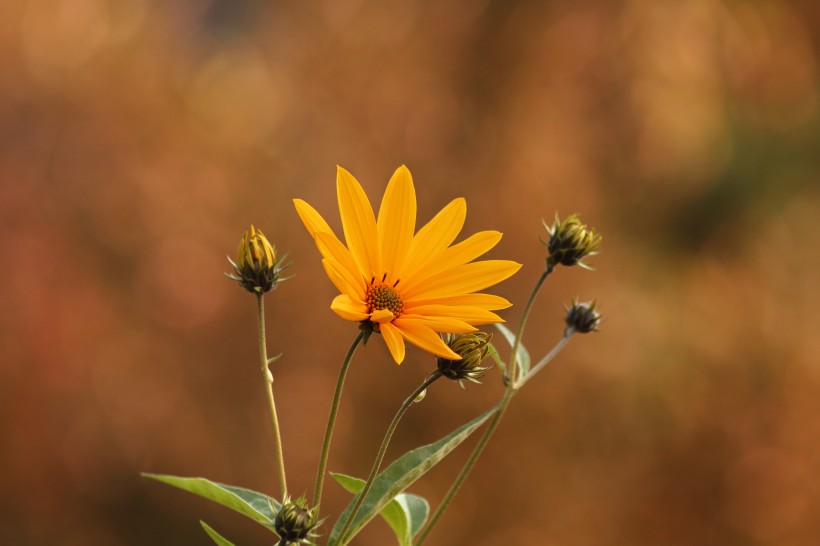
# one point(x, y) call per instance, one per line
point(405, 285)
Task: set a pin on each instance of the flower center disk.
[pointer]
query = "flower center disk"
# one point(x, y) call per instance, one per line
point(382, 296)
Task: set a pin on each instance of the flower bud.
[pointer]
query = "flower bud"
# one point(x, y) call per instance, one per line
point(472, 348)
point(295, 523)
point(256, 268)
point(570, 242)
point(582, 317)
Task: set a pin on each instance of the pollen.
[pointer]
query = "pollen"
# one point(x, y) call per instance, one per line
point(383, 296)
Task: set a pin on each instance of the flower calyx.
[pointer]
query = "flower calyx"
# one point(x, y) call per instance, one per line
point(295, 523)
point(570, 241)
point(256, 267)
point(473, 349)
point(582, 317)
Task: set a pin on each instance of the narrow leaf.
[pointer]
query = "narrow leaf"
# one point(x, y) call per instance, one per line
point(257, 506)
point(399, 475)
point(418, 509)
point(523, 354)
point(405, 514)
point(218, 539)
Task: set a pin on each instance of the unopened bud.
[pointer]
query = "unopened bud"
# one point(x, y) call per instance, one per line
point(570, 242)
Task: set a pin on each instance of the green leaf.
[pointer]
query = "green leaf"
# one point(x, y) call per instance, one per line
point(218, 539)
point(417, 509)
point(493, 353)
point(523, 354)
point(405, 514)
point(257, 506)
point(399, 475)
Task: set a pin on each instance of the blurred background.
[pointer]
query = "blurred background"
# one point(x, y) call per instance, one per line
point(140, 138)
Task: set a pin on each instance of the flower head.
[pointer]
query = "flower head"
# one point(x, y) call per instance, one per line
point(295, 523)
point(582, 317)
point(570, 242)
point(256, 267)
point(473, 348)
point(407, 285)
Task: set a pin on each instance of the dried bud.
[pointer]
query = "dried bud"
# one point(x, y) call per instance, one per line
point(295, 523)
point(582, 317)
point(570, 242)
point(472, 348)
point(256, 268)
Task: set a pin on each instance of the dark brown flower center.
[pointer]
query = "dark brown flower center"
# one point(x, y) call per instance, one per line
point(382, 296)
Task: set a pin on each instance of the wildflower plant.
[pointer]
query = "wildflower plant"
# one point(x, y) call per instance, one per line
point(406, 286)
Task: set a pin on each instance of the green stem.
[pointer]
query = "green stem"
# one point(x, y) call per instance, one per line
point(509, 392)
point(331, 422)
point(382, 451)
point(513, 369)
point(268, 378)
point(547, 359)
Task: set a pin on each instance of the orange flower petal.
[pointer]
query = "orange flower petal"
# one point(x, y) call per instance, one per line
point(436, 235)
point(332, 248)
point(348, 309)
point(482, 301)
point(420, 334)
point(397, 221)
point(358, 222)
point(341, 279)
point(313, 220)
point(394, 341)
point(382, 316)
point(448, 325)
point(465, 313)
point(462, 253)
point(465, 279)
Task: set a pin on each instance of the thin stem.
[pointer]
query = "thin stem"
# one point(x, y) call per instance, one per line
point(513, 368)
point(268, 378)
point(331, 422)
point(509, 392)
point(383, 450)
point(547, 359)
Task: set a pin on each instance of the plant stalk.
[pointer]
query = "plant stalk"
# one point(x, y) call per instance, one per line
point(268, 379)
point(388, 435)
point(509, 392)
point(331, 422)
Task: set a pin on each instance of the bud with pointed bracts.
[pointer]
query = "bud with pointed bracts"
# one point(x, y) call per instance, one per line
point(582, 317)
point(472, 348)
point(570, 242)
point(256, 268)
point(295, 523)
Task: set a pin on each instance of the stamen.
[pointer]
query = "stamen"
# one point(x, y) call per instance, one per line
point(384, 277)
point(382, 296)
point(395, 283)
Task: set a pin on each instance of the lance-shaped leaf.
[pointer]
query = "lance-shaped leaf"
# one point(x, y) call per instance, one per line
point(399, 475)
point(218, 539)
point(257, 506)
point(523, 355)
point(406, 513)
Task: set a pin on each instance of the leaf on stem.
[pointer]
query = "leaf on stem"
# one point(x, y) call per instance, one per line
point(405, 513)
point(523, 355)
point(218, 539)
point(257, 506)
point(399, 475)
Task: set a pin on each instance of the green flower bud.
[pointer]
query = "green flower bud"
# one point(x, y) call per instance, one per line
point(295, 523)
point(256, 268)
point(582, 317)
point(570, 242)
point(472, 348)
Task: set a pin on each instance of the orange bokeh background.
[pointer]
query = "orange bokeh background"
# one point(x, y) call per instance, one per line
point(139, 138)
